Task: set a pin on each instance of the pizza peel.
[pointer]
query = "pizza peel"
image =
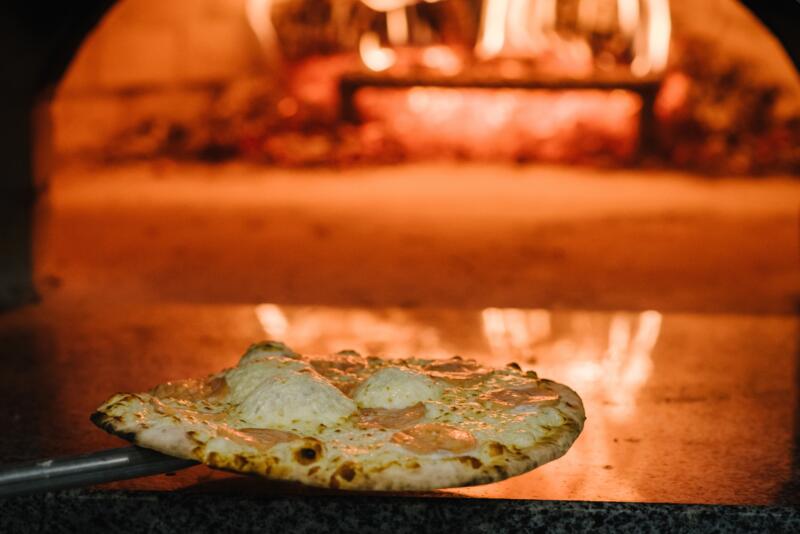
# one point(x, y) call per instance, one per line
point(86, 469)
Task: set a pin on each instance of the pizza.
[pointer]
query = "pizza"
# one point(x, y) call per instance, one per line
point(354, 422)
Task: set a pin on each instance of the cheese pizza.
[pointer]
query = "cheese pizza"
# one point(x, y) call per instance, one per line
point(354, 422)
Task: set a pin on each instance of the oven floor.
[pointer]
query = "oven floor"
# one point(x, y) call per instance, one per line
point(155, 272)
point(423, 235)
point(682, 408)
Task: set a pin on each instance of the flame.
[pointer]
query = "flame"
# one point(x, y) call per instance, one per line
point(659, 35)
point(397, 26)
point(513, 332)
point(388, 5)
point(587, 14)
point(272, 320)
point(257, 16)
point(508, 123)
point(515, 27)
point(619, 372)
point(391, 333)
point(493, 28)
point(628, 14)
point(373, 55)
point(442, 58)
point(527, 28)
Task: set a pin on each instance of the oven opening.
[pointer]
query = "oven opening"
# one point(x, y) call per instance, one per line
point(602, 83)
point(452, 153)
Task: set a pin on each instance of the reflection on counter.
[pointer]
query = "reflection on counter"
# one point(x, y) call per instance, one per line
point(606, 358)
point(677, 405)
point(608, 353)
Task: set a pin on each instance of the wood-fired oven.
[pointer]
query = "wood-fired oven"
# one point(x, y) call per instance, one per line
point(605, 190)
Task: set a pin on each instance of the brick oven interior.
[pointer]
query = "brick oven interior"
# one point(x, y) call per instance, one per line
point(382, 227)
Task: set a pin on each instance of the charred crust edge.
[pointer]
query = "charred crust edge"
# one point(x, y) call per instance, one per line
point(310, 452)
point(105, 422)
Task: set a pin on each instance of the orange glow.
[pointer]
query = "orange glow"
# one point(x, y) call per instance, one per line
point(618, 372)
point(374, 56)
point(526, 29)
point(492, 36)
point(397, 26)
point(488, 123)
point(390, 333)
point(659, 35)
point(616, 367)
point(272, 320)
point(628, 14)
point(588, 11)
point(514, 332)
point(257, 12)
point(606, 358)
point(442, 58)
point(388, 5)
point(521, 29)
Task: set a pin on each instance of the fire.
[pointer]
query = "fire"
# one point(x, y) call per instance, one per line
point(528, 29)
point(657, 38)
point(397, 26)
point(492, 37)
point(388, 5)
point(374, 56)
point(516, 28)
point(628, 14)
point(442, 58)
point(398, 31)
point(508, 123)
point(618, 372)
point(257, 12)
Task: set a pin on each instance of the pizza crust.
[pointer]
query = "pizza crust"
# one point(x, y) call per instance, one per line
point(351, 452)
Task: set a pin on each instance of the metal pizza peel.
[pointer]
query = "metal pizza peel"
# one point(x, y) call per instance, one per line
point(86, 469)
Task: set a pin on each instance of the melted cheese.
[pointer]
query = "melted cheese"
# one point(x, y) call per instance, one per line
point(396, 388)
point(266, 349)
point(252, 374)
point(272, 390)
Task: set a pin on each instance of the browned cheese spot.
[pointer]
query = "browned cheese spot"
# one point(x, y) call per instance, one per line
point(239, 462)
point(496, 449)
point(310, 452)
point(470, 461)
point(511, 397)
point(260, 439)
point(346, 385)
point(193, 437)
point(426, 438)
point(453, 365)
point(338, 364)
point(193, 390)
point(341, 370)
point(458, 372)
point(400, 418)
point(313, 470)
point(347, 472)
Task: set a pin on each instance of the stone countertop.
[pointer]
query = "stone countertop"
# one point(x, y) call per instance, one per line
point(155, 512)
point(698, 412)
